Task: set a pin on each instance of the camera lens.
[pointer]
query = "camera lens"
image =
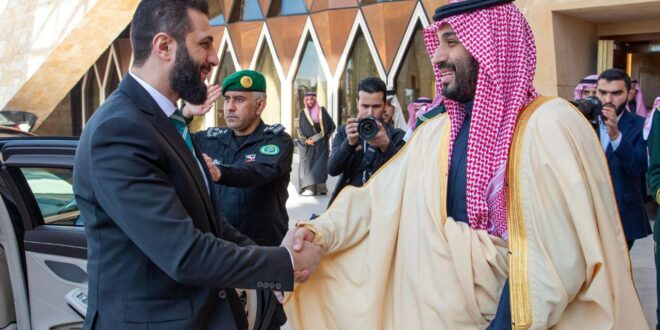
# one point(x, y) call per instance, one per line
point(367, 128)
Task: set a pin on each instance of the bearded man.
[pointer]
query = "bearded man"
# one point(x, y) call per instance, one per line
point(160, 255)
point(513, 187)
point(315, 127)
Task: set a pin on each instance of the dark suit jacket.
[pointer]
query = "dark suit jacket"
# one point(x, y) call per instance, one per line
point(159, 253)
point(628, 164)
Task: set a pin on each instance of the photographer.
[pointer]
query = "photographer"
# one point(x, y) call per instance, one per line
point(620, 134)
point(357, 156)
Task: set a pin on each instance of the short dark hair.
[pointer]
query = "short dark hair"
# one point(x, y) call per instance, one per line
point(373, 85)
point(156, 16)
point(615, 75)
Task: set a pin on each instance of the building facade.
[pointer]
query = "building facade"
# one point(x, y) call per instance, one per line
point(327, 46)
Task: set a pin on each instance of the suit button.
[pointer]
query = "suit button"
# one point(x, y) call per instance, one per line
point(271, 286)
point(260, 285)
point(222, 294)
point(278, 286)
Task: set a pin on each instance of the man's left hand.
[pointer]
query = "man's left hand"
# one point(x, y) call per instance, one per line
point(381, 140)
point(213, 93)
point(214, 170)
point(612, 122)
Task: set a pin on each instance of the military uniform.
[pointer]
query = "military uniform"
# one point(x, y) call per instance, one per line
point(252, 190)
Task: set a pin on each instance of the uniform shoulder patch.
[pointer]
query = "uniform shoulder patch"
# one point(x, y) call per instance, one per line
point(215, 132)
point(276, 129)
point(269, 150)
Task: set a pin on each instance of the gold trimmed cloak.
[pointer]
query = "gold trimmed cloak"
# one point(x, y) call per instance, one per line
point(395, 261)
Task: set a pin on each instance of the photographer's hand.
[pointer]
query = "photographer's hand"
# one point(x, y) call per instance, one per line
point(611, 122)
point(352, 131)
point(381, 140)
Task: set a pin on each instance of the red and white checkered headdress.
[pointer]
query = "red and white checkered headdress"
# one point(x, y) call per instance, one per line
point(501, 41)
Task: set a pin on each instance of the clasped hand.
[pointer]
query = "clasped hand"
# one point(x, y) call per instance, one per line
point(306, 255)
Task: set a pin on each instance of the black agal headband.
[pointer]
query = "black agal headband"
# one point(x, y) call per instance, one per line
point(467, 6)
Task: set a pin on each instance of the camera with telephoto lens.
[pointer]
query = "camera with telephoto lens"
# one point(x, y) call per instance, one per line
point(590, 107)
point(368, 128)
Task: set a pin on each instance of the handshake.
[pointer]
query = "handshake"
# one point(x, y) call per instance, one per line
point(306, 255)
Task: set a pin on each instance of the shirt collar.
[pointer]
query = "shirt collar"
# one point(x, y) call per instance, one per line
point(163, 102)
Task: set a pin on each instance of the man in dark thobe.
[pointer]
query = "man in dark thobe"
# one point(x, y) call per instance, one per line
point(314, 131)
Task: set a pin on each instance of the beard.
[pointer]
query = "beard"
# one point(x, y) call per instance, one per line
point(466, 73)
point(185, 78)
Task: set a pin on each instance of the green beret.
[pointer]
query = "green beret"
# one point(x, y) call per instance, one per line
point(244, 81)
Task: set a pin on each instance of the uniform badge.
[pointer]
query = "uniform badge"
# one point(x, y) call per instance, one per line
point(250, 158)
point(246, 82)
point(270, 150)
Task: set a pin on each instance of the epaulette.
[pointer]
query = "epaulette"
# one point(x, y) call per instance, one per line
point(276, 129)
point(215, 132)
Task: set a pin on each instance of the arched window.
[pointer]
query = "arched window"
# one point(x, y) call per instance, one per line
point(91, 93)
point(415, 76)
point(309, 78)
point(112, 76)
point(266, 66)
point(225, 69)
point(360, 65)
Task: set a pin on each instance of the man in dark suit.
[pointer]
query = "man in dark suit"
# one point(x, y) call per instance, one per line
point(160, 256)
point(620, 134)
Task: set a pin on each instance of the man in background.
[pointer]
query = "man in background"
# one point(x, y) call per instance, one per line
point(586, 87)
point(354, 158)
point(636, 100)
point(250, 164)
point(620, 133)
point(315, 127)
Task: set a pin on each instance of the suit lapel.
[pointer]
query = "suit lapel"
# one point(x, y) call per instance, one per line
point(165, 127)
point(171, 135)
point(626, 123)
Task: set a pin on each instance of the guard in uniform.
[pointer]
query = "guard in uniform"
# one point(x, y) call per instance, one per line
point(253, 162)
point(252, 190)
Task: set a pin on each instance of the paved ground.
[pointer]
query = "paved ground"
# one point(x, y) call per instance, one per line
point(301, 207)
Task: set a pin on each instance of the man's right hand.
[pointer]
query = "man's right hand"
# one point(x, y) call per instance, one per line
point(306, 255)
point(213, 170)
point(213, 93)
point(352, 131)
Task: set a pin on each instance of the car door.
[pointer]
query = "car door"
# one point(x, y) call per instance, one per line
point(47, 255)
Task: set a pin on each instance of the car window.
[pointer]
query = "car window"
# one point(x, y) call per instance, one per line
point(53, 190)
